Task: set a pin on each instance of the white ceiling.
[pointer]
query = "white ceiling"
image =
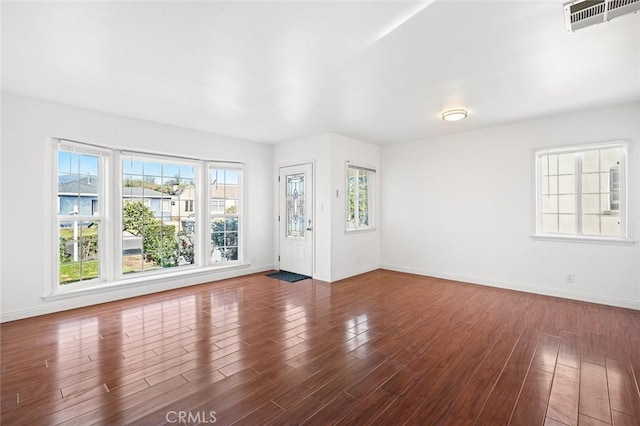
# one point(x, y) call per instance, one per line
point(380, 71)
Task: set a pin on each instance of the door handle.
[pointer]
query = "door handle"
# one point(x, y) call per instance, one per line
point(309, 228)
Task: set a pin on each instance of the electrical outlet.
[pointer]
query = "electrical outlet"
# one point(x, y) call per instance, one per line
point(570, 278)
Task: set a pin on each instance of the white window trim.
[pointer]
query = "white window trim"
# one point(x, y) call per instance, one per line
point(111, 179)
point(161, 158)
point(625, 238)
point(210, 213)
point(371, 196)
point(104, 247)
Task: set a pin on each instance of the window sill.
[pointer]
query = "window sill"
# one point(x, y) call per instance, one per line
point(581, 239)
point(137, 282)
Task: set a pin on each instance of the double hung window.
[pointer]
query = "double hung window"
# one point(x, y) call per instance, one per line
point(360, 184)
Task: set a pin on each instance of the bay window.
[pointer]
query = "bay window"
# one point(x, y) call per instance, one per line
point(164, 214)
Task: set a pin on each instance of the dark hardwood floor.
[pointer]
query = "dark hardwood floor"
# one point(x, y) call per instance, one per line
point(383, 348)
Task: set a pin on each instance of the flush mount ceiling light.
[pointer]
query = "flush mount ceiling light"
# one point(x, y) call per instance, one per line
point(454, 114)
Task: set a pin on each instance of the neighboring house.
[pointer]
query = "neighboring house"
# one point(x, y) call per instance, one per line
point(183, 203)
point(81, 197)
point(158, 202)
point(221, 197)
point(78, 196)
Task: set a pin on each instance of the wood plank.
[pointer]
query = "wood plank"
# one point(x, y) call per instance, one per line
point(333, 411)
point(590, 421)
point(369, 409)
point(563, 401)
point(534, 396)
point(546, 353)
point(622, 419)
point(569, 353)
point(594, 395)
point(471, 400)
point(264, 414)
point(503, 397)
point(623, 392)
point(551, 422)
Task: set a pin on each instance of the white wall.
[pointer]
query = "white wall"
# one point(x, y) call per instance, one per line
point(27, 231)
point(338, 255)
point(462, 207)
point(355, 252)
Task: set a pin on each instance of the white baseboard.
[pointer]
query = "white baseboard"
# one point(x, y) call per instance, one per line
point(546, 291)
point(110, 295)
point(353, 272)
point(81, 299)
point(321, 277)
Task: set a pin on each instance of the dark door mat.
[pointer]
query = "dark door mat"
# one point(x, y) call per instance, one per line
point(289, 277)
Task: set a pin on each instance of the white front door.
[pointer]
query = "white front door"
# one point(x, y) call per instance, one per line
point(296, 219)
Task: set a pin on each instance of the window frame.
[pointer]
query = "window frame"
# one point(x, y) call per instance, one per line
point(110, 204)
point(210, 213)
point(578, 236)
point(118, 204)
point(371, 199)
point(104, 161)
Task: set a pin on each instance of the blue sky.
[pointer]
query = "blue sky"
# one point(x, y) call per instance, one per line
point(70, 163)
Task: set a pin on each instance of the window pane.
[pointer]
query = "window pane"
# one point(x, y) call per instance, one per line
point(590, 183)
point(151, 168)
point(567, 204)
point(79, 256)
point(78, 184)
point(352, 175)
point(550, 204)
point(172, 170)
point(605, 181)
point(566, 164)
point(158, 216)
point(295, 215)
point(549, 165)
point(224, 203)
point(591, 203)
point(550, 185)
point(224, 239)
point(567, 184)
point(591, 224)
point(187, 172)
point(131, 166)
point(609, 158)
point(610, 226)
point(359, 187)
point(567, 224)
point(88, 165)
point(590, 161)
point(363, 195)
point(549, 223)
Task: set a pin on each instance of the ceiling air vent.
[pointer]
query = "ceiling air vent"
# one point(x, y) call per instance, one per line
point(584, 13)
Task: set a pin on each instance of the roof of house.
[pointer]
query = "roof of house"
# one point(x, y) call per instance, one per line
point(89, 186)
point(224, 191)
point(141, 192)
point(81, 185)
